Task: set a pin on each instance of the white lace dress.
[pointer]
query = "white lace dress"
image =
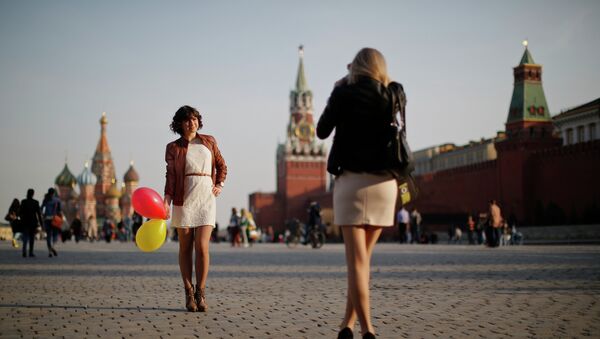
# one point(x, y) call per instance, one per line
point(199, 205)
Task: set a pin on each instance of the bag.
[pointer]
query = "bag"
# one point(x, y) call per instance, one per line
point(57, 221)
point(400, 157)
point(10, 216)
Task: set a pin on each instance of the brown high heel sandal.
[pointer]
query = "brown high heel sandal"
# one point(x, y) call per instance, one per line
point(190, 302)
point(201, 299)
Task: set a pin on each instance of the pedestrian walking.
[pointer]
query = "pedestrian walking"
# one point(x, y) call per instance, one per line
point(12, 216)
point(365, 192)
point(415, 226)
point(244, 224)
point(108, 230)
point(496, 222)
point(127, 222)
point(195, 176)
point(234, 228)
point(92, 226)
point(51, 208)
point(403, 220)
point(137, 222)
point(471, 229)
point(77, 229)
point(457, 234)
point(215, 234)
point(31, 218)
point(481, 228)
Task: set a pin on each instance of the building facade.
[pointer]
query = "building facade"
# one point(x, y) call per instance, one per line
point(579, 124)
point(447, 156)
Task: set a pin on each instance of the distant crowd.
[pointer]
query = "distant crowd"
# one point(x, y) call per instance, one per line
point(31, 221)
point(490, 228)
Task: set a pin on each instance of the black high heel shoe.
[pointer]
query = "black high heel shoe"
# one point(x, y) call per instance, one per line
point(368, 335)
point(345, 333)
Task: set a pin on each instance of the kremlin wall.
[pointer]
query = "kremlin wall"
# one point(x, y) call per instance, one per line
point(536, 177)
point(542, 170)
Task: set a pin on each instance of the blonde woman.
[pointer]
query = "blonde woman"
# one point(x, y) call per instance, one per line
point(364, 195)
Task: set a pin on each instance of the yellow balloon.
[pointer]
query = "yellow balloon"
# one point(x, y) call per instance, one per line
point(151, 235)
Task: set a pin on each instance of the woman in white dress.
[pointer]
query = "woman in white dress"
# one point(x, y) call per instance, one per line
point(195, 176)
point(365, 192)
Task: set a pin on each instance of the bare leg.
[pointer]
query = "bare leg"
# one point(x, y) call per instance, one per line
point(186, 242)
point(202, 240)
point(370, 239)
point(359, 242)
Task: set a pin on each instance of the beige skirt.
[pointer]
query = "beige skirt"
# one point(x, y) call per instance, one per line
point(364, 199)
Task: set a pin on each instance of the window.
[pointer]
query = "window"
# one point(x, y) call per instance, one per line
point(592, 133)
point(580, 134)
point(569, 137)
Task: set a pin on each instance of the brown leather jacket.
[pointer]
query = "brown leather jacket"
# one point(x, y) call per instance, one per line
point(175, 158)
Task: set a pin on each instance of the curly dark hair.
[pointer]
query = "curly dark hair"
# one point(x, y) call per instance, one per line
point(184, 113)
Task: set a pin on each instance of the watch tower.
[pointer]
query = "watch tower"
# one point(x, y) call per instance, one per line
point(528, 129)
point(301, 161)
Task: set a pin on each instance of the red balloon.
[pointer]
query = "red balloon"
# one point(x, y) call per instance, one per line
point(148, 203)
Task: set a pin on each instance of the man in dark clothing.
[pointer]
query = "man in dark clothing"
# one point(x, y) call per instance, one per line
point(77, 228)
point(314, 220)
point(137, 223)
point(31, 218)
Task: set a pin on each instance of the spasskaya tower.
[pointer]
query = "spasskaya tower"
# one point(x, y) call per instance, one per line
point(301, 162)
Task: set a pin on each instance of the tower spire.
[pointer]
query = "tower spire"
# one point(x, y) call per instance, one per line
point(301, 85)
point(102, 167)
point(528, 105)
point(103, 142)
point(527, 59)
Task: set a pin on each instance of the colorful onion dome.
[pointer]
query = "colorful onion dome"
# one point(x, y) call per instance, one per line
point(87, 177)
point(65, 178)
point(113, 191)
point(131, 174)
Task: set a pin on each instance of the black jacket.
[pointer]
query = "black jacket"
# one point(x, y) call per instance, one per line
point(361, 113)
point(30, 213)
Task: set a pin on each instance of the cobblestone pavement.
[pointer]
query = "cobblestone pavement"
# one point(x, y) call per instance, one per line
point(269, 291)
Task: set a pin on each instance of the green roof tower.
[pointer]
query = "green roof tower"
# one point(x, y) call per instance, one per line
point(528, 114)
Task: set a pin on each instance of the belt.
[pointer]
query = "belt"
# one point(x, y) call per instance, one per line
point(197, 175)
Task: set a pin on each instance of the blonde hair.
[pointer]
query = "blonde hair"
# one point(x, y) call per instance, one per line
point(369, 62)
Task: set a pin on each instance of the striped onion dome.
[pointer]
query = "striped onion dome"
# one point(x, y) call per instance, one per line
point(87, 177)
point(65, 178)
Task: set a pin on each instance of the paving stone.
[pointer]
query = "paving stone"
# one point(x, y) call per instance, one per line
point(269, 291)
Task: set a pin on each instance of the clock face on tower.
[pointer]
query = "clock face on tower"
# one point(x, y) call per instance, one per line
point(304, 131)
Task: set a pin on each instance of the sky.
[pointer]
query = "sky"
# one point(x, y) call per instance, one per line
point(63, 63)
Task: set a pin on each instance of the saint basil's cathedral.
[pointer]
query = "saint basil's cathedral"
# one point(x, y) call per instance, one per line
point(99, 196)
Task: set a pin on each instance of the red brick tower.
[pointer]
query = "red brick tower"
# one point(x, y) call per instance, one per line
point(301, 164)
point(301, 161)
point(103, 168)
